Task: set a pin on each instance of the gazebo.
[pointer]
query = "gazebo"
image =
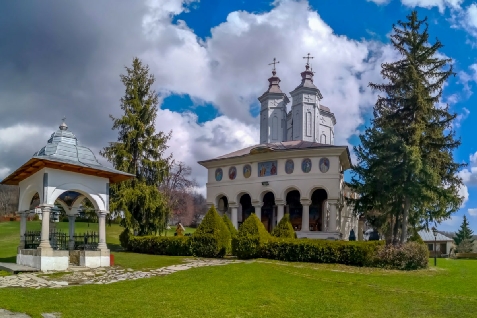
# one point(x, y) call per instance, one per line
point(63, 167)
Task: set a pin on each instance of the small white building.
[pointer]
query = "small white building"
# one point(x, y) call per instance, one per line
point(296, 168)
point(65, 173)
point(440, 244)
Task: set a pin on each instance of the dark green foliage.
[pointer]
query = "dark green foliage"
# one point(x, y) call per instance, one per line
point(284, 228)
point(139, 151)
point(124, 238)
point(408, 256)
point(320, 251)
point(406, 176)
point(212, 237)
point(160, 245)
point(36, 217)
point(251, 237)
point(416, 238)
point(464, 238)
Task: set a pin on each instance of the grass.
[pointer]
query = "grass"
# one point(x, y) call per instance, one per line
point(262, 288)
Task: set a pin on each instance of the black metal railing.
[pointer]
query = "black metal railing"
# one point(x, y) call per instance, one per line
point(86, 241)
point(60, 241)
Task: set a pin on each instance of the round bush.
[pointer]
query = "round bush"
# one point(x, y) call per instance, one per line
point(284, 228)
point(250, 239)
point(408, 256)
point(212, 237)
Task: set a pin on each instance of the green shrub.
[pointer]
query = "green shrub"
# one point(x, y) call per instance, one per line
point(320, 251)
point(36, 217)
point(124, 238)
point(250, 238)
point(233, 231)
point(284, 228)
point(160, 245)
point(415, 237)
point(212, 237)
point(408, 256)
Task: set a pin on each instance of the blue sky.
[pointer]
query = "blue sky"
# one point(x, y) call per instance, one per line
point(358, 20)
point(210, 60)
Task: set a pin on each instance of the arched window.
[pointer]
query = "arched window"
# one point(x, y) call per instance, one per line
point(308, 124)
point(323, 139)
point(275, 128)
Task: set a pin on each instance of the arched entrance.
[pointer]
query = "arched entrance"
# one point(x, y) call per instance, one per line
point(268, 211)
point(295, 209)
point(223, 205)
point(246, 208)
point(317, 210)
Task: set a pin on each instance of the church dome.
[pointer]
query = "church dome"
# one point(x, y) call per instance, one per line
point(63, 145)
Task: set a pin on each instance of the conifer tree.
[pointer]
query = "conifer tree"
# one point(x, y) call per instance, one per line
point(464, 237)
point(406, 170)
point(139, 151)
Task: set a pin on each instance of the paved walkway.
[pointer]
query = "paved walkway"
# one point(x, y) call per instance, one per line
point(16, 268)
point(109, 275)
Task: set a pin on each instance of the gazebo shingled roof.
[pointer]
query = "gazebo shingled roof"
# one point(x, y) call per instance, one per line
point(62, 152)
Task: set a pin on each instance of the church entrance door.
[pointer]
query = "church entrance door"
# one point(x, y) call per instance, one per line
point(268, 211)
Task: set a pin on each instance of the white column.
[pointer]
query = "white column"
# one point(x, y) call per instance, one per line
point(23, 220)
point(71, 223)
point(332, 226)
point(280, 210)
point(305, 218)
point(102, 229)
point(258, 210)
point(45, 226)
point(234, 216)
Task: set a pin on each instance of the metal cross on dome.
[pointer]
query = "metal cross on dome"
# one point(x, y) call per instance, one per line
point(308, 57)
point(274, 63)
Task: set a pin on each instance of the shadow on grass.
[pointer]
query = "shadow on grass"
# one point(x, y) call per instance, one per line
point(115, 247)
point(11, 259)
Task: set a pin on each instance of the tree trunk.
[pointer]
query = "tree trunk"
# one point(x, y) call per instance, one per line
point(405, 216)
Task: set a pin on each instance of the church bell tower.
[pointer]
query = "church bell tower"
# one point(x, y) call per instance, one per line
point(305, 112)
point(273, 112)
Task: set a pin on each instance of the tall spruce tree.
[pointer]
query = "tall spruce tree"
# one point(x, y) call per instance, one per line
point(412, 179)
point(463, 239)
point(139, 151)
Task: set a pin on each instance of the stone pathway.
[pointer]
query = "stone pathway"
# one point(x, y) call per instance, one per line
point(85, 276)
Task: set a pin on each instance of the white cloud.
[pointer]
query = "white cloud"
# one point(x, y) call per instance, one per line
point(461, 117)
point(469, 175)
point(441, 4)
point(451, 223)
point(464, 193)
point(379, 2)
point(472, 212)
point(4, 173)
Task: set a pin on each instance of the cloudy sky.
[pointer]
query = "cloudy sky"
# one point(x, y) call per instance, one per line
point(210, 61)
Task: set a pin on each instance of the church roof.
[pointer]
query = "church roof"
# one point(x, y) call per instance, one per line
point(279, 146)
point(63, 152)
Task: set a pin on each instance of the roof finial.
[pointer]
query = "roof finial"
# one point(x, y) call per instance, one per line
point(274, 71)
point(308, 57)
point(63, 125)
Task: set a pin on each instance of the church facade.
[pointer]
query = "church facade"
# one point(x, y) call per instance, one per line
point(296, 168)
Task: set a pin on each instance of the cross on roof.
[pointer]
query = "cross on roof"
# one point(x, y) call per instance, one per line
point(64, 118)
point(308, 57)
point(274, 63)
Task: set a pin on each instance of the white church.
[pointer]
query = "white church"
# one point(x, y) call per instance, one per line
point(296, 168)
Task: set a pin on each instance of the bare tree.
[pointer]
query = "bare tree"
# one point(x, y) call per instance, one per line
point(8, 199)
point(177, 186)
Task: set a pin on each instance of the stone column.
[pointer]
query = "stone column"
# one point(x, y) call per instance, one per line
point(71, 223)
point(234, 215)
point(102, 229)
point(45, 226)
point(332, 222)
point(280, 210)
point(23, 220)
point(258, 209)
point(305, 217)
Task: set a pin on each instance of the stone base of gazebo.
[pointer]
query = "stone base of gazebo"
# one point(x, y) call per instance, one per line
point(59, 260)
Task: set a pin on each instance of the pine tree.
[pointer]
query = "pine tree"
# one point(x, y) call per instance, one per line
point(411, 180)
point(464, 237)
point(139, 151)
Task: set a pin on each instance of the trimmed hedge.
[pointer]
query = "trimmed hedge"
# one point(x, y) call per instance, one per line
point(212, 237)
point(250, 239)
point(408, 256)
point(320, 251)
point(284, 228)
point(160, 245)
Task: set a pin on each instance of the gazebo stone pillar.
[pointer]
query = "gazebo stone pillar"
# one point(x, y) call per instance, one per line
point(23, 220)
point(45, 226)
point(102, 229)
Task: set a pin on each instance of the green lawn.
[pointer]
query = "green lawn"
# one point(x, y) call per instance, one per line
point(262, 289)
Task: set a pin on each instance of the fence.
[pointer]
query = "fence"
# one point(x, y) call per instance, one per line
point(60, 240)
